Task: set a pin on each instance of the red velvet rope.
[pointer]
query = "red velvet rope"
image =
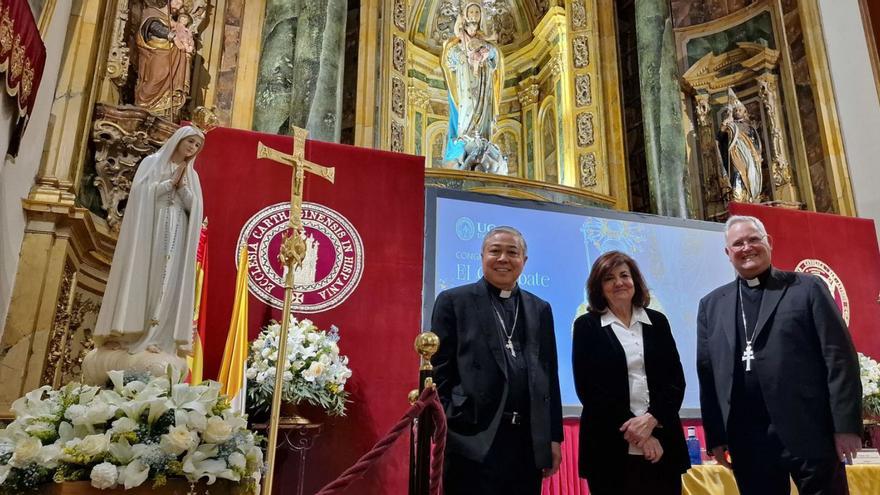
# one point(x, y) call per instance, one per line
point(428, 399)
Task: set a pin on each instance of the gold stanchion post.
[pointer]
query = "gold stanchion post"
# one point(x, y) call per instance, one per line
point(426, 345)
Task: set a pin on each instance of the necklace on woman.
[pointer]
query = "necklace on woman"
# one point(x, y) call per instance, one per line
point(748, 353)
point(508, 336)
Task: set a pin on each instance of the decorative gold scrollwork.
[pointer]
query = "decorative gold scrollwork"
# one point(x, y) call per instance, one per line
point(581, 51)
point(398, 97)
point(578, 14)
point(529, 95)
point(585, 134)
point(398, 54)
point(587, 164)
point(397, 137)
point(118, 56)
point(583, 90)
point(399, 14)
point(123, 136)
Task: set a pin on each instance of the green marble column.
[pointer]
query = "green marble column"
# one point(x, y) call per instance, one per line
point(661, 109)
point(275, 73)
point(318, 63)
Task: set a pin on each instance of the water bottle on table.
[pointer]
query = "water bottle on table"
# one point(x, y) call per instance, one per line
point(693, 444)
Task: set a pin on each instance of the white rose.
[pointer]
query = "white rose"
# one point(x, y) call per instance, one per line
point(237, 460)
point(334, 349)
point(49, 455)
point(178, 440)
point(217, 430)
point(26, 452)
point(103, 476)
point(196, 421)
point(254, 457)
point(75, 412)
point(124, 425)
point(93, 445)
point(251, 373)
point(315, 370)
point(97, 413)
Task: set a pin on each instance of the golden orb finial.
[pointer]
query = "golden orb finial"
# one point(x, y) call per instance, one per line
point(427, 344)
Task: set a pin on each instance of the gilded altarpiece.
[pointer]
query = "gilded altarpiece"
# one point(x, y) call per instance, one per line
point(757, 51)
point(555, 125)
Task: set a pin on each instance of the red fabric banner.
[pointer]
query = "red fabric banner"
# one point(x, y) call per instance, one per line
point(841, 250)
point(363, 274)
point(22, 53)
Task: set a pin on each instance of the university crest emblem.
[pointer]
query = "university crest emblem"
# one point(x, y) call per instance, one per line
point(332, 267)
point(835, 285)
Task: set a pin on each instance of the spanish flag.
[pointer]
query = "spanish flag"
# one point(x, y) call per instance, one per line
point(196, 362)
point(235, 354)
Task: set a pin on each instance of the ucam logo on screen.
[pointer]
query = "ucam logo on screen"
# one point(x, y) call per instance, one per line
point(466, 229)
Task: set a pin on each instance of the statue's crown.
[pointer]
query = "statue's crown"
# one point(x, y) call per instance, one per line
point(205, 119)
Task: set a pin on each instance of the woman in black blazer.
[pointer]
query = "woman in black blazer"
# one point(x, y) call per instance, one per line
point(629, 379)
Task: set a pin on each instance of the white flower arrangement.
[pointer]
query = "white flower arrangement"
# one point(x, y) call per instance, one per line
point(314, 371)
point(140, 429)
point(870, 374)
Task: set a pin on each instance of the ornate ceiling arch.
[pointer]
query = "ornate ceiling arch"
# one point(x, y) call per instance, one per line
point(432, 21)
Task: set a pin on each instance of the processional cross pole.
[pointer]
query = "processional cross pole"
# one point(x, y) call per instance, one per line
point(293, 250)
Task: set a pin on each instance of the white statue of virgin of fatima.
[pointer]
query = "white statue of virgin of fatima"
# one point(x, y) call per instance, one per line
point(146, 318)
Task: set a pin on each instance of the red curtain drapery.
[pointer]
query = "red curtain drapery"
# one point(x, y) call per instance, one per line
point(22, 54)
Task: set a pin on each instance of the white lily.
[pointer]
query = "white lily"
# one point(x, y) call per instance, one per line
point(133, 474)
point(184, 396)
point(121, 451)
point(158, 407)
point(201, 464)
point(117, 379)
point(32, 404)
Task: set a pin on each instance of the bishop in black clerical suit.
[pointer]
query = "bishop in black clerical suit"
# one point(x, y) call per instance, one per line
point(496, 374)
point(779, 376)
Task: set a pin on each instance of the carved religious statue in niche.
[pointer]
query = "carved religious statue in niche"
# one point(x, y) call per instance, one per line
point(473, 68)
point(145, 322)
point(741, 154)
point(166, 41)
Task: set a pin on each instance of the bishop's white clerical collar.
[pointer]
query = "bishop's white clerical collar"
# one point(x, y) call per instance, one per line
point(759, 280)
point(502, 293)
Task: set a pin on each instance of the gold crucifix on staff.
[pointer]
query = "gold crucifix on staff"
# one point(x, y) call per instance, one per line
point(293, 251)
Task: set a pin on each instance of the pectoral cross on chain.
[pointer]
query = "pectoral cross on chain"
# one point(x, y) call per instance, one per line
point(748, 355)
point(509, 346)
point(293, 251)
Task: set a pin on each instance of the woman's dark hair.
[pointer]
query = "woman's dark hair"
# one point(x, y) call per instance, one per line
point(602, 267)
